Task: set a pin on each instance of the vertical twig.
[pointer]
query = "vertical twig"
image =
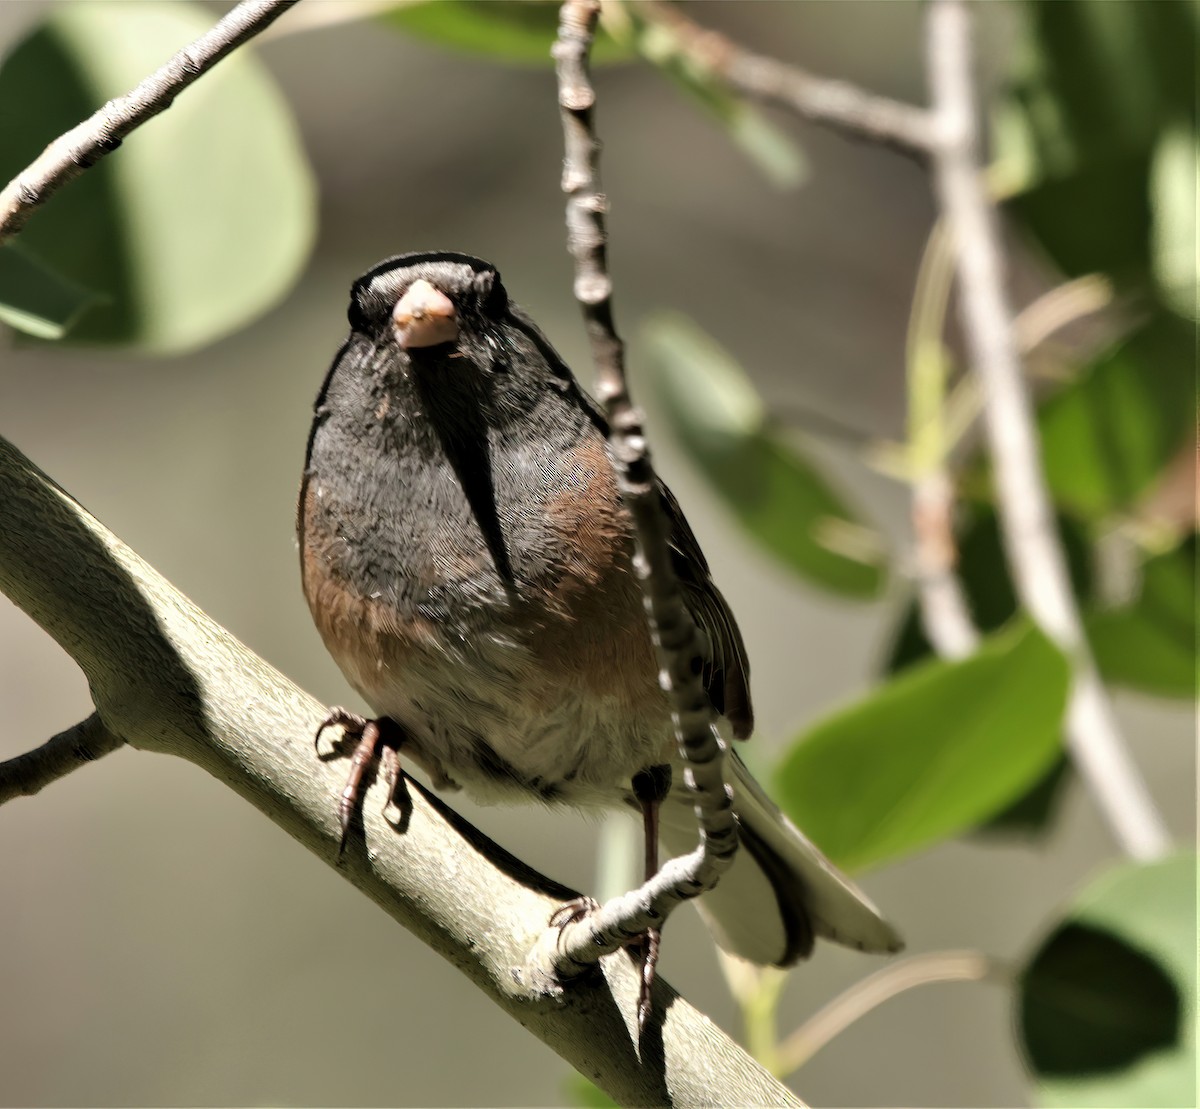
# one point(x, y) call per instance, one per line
point(673, 628)
point(1030, 537)
point(945, 613)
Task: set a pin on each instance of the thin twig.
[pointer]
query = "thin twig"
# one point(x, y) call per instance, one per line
point(1031, 542)
point(613, 925)
point(838, 105)
point(834, 1018)
point(80, 744)
point(83, 146)
point(1033, 326)
point(945, 613)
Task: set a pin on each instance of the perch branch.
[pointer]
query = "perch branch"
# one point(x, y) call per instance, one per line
point(165, 678)
point(838, 105)
point(83, 146)
point(1031, 543)
point(675, 634)
point(30, 773)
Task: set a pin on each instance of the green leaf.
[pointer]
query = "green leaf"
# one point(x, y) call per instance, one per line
point(1092, 80)
point(204, 217)
point(1108, 435)
point(1173, 178)
point(932, 753)
point(983, 573)
point(1094, 85)
point(1151, 643)
point(514, 31)
point(775, 492)
point(587, 1094)
point(36, 300)
point(1107, 1004)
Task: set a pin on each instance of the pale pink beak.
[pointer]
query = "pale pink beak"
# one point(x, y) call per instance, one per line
point(424, 317)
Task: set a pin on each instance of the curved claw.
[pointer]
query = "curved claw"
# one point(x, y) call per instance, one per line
point(351, 723)
point(571, 912)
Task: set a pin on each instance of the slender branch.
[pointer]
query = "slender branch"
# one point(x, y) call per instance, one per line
point(921, 970)
point(1033, 326)
point(838, 105)
point(1031, 541)
point(83, 146)
point(674, 630)
point(945, 613)
point(80, 744)
point(168, 679)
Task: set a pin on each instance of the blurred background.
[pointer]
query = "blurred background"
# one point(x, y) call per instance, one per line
point(165, 944)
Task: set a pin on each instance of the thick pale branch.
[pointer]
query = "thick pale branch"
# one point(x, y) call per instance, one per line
point(1031, 543)
point(838, 105)
point(165, 678)
point(671, 623)
point(30, 773)
point(81, 147)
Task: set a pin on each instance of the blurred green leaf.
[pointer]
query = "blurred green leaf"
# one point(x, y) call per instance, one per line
point(1173, 178)
point(1092, 80)
point(587, 1094)
point(1096, 220)
point(36, 300)
point(777, 494)
point(1108, 435)
point(983, 572)
point(1094, 85)
point(1031, 814)
point(514, 31)
point(1151, 644)
point(930, 754)
point(1107, 1005)
point(204, 217)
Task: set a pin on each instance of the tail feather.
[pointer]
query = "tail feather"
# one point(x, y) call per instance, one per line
point(781, 891)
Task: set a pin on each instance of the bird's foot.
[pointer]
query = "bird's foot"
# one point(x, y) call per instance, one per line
point(376, 744)
point(644, 948)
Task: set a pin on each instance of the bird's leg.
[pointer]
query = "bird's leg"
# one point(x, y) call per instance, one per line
point(373, 736)
point(650, 786)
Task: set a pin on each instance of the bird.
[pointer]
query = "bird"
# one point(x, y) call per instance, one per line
point(468, 562)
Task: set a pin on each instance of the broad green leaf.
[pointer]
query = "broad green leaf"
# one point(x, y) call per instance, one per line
point(775, 492)
point(1032, 813)
point(1107, 1005)
point(983, 572)
point(1173, 178)
point(1094, 220)
point(1151, 643)
point(586, 1094)
point(204, 217)
point(514, 31)
point(1109, 434)
point(1092, 80)
point(1094, 85)
point(931, 754)
point(36, 300)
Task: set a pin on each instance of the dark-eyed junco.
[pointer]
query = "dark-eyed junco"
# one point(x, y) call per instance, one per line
point(467, 560)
